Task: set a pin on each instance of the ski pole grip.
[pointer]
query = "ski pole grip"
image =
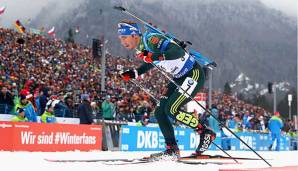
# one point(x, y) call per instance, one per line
point(119, 8)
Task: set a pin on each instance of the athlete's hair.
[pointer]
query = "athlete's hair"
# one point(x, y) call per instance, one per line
point(128, 21)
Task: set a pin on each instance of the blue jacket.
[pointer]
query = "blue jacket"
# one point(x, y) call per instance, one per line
point(29, 111)
point(37, 102)
point(246, 122)
point(61, 110)
point(232, 123)
point(213, 123)
point(275, 124)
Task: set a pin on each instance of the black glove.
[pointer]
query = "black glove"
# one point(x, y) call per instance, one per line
point(129, 74)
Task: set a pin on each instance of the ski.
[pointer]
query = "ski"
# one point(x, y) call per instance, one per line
point(92, 160)
point(204, 157)
point(105, 161)
point(137, 161)
point(194, 162)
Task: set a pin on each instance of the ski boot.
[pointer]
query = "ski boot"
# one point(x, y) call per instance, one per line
point(206, 137)
point(172, 152)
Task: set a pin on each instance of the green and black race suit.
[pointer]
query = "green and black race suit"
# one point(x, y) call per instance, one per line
point(188, 74)
point(167, 55)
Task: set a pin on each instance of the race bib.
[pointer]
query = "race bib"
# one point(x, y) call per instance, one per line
point(188, 86)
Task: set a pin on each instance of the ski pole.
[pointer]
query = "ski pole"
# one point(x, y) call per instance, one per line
point(157, 102)
point(122, 9)
point(185, 92)
point(142, 88)
point(170, 79)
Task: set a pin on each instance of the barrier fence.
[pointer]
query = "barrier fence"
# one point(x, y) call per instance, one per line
point(150, 139)
point(49, 137)
point(115, 135)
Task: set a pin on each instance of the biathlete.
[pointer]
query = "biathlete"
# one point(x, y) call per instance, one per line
point(157, 50)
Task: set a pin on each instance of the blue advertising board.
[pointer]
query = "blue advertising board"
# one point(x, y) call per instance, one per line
point(134, 138)
point(258, 141)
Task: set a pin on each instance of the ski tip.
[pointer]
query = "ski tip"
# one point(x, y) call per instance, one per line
point(119, 8)
point(49, 160)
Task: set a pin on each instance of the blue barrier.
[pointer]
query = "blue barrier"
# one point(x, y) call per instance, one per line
point(258, 141)
point(135, 138)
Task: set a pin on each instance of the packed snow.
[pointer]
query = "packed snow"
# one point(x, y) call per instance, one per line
point(31, 161)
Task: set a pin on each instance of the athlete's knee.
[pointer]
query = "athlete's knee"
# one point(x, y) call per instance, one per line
point(170, 108)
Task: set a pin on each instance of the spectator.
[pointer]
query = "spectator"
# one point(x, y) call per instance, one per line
point(20, 117)
point(61, 109)
point(108, 108)
point(141, 110)
point(85, 110)
point(69, 104)
point(28, 107)
point(261, 125)
point(289, 126)
point(95, 109)
point(144, 121)
point(246, 124)
point(37, 102)
point(48, 116)
point(6, 101)
point(231, 123)
point(45, 96)
point(213, 123)
point(275, 126)
point(238, 123)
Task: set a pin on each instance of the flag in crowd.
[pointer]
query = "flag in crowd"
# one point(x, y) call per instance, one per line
point(2, 10)
point(51, 32)
point(20, 26)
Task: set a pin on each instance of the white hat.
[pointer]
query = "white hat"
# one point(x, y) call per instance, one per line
point(52, 103)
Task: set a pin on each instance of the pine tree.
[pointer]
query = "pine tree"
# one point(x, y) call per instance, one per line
point(227, 89)
point(70, 36)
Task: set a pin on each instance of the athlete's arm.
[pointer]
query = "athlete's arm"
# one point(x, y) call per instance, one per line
point(162, 50)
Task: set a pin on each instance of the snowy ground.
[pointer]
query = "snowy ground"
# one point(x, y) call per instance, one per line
point(28, 161)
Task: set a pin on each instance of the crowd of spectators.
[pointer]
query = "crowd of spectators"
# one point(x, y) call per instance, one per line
point(42, 68)
point(46, 68)
point(238, 114)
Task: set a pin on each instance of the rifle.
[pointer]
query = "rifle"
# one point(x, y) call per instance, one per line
point(204, 61)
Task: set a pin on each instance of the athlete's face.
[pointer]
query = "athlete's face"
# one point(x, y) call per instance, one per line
point(129, 41)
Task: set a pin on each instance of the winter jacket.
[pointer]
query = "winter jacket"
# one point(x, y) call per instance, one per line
point(275, 124)
point(48, 117)
point(19, 119)
point(213, 123)
point(85, 113)
point(107, 110)
point(29, 111)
